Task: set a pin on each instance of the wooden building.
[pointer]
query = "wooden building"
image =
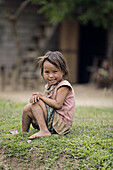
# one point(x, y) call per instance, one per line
point(83, 46)
point(79, 44)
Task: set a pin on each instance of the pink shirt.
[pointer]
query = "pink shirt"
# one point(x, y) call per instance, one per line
point(68, 109)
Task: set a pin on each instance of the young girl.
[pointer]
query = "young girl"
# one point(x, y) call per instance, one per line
point(53, 111)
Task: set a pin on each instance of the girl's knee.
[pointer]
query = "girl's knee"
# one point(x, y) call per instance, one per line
point(27, 111)
point(40, 104)
point(26, 108)
point(34, 106)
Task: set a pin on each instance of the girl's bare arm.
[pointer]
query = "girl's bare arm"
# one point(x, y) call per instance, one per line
point(58, 102)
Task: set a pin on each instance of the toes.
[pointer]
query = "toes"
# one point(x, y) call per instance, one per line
point(32, 137)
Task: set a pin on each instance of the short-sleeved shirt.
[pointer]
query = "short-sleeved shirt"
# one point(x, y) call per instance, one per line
point(67, 110)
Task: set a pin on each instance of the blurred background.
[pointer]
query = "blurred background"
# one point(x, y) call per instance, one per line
point(82, 31)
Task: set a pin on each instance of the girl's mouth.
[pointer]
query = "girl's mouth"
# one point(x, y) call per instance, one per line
point(52, 81)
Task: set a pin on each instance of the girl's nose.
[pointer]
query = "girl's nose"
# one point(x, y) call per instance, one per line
point(51, 75)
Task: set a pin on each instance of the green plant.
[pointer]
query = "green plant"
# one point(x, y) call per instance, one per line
point(87, 146)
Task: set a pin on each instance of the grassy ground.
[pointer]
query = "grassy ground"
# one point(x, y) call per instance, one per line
point(88, 146)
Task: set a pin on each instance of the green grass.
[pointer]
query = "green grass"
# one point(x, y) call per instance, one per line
point(88, 146)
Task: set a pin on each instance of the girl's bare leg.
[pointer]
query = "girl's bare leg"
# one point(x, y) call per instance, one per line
point(39, 112)
point(27, 117)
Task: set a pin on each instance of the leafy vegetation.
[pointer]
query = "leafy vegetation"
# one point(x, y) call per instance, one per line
point(88, 146)
point(100, 13)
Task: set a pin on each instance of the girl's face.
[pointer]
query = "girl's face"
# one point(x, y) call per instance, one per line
point(51, 73)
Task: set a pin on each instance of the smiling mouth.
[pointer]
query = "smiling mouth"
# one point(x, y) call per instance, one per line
point(51, 80)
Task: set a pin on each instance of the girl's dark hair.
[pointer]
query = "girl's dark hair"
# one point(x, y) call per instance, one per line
point(55, 58)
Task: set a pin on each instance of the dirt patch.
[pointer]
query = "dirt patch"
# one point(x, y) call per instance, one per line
point(32, 162)
point(89, 95)
point(86, 95)
point(3, 160)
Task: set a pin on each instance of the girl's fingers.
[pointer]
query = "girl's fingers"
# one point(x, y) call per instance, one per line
point(35, 93)
point(31, 100)
point(34, 98)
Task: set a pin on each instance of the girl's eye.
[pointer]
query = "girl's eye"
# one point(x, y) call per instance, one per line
point(55, 71)
point(46, 72)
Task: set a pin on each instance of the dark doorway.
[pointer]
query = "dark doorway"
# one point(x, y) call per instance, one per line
point(92, 44)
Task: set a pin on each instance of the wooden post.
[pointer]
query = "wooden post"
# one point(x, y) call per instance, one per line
point(2, 70)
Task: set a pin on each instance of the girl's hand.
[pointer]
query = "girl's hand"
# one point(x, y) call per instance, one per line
point(34, 98)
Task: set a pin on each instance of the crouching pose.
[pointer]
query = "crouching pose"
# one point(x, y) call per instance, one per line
point(53, 111)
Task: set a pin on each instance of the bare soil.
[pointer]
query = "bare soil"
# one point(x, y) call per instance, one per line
point(86, 95)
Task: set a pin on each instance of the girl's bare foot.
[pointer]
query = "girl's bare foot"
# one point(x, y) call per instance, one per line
point(40, 134)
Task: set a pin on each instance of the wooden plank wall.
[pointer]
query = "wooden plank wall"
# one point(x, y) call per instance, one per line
point(26, 26)
point(68, 45)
